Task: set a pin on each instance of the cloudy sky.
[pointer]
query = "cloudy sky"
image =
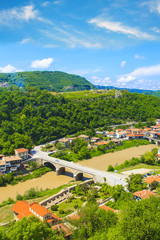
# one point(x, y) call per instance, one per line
point(110, 42)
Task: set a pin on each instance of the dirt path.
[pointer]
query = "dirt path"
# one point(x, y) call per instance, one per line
point(114, 158)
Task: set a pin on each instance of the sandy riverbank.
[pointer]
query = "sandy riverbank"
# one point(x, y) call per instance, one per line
point(49, 180)
point(102, 162)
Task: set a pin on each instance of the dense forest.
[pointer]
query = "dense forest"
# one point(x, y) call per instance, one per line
point(28, 118)
point(52, 81)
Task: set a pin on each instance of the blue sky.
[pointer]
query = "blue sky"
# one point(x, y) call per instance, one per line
point(110, 42)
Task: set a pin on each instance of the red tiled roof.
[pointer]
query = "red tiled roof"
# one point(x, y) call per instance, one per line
point(22, 209)
point(74, 216)
point(106, 208)
point(12, 158)
point(83, 136)
point(101, 143)
point(21, 150)
point(39, 209)
point(144, 194)
point(62, 227)
point(151, 179)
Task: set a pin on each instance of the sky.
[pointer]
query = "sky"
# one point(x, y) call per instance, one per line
point(109, 42)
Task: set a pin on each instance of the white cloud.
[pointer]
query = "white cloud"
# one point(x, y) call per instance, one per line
point(147, 71)
point(140, 73)
point(25, 40)
point(123, 63)
point(24, 13)
point(137, 56)
point(14, 15)
point(126, 78)
point(45, 4)
point(154, 5)
point(70, 39)
point(120, 28)
point(155, 29)
point(57, 2)
point(9, 69)
point(42, 64)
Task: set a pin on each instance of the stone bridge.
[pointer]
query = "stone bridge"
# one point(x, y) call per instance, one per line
point(154, 140)
point(61, 166)
point(77, 172)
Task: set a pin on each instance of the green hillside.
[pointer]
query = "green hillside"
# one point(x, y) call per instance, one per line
point(51, 81)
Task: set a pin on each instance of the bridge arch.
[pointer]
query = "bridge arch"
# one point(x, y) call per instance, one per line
point(60, 171)
point(50, 165)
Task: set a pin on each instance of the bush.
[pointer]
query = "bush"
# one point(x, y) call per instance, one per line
point(19, 197)
point(61, 211)
point(54, 207)
point(10, 201)
point(110, 168)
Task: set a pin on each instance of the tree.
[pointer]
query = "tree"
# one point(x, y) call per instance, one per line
point(92, 220)
point(154, 185)
point(8, 177)
point(31, 228)
point(135, 182)
point(110, 168)
point(1, 180)
point(138, 220)
point(149, 158)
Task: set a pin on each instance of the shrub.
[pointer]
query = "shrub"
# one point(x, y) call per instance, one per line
point(54, 207)
point(110, 168)
point(61, 211)
point(19, 197)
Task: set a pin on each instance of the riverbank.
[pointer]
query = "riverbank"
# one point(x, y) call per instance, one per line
point(49, 180)
point(102, 162)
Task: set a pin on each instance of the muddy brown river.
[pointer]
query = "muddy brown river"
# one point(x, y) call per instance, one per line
point(50, 180)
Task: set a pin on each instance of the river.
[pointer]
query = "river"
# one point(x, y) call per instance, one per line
point(50, 180)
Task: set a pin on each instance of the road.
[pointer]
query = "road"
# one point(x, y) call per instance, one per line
point(111, 178)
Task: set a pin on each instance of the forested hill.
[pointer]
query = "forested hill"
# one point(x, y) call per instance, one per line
point(39, 117)
point(147, 92)
point(51, 81)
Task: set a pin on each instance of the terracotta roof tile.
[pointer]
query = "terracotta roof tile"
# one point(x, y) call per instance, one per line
point(62, 227)
point(106, 208)
point(151, 179)
point(144, 194)
point(21, 150)
point(39, 209)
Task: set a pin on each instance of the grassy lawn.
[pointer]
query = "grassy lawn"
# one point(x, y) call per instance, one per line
point(141, 165)
point(68, 207)
point(6, 214)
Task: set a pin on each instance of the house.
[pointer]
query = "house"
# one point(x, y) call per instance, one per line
point(84, 137)
point(111, 135)
point(135, 136)
point(1, 156)
point(143, 194)
point(62, 227)
point(102, 143)
point(106, 208)
point(151, 179)
point(121, 134)
point(65, 141)
point(13, 163)
point(22, 153)
point(117, 142)
point(153, 134)
point(94, 139)
point(24, 209)
point(2, 167)
point(158, 155)
point(157, 121)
